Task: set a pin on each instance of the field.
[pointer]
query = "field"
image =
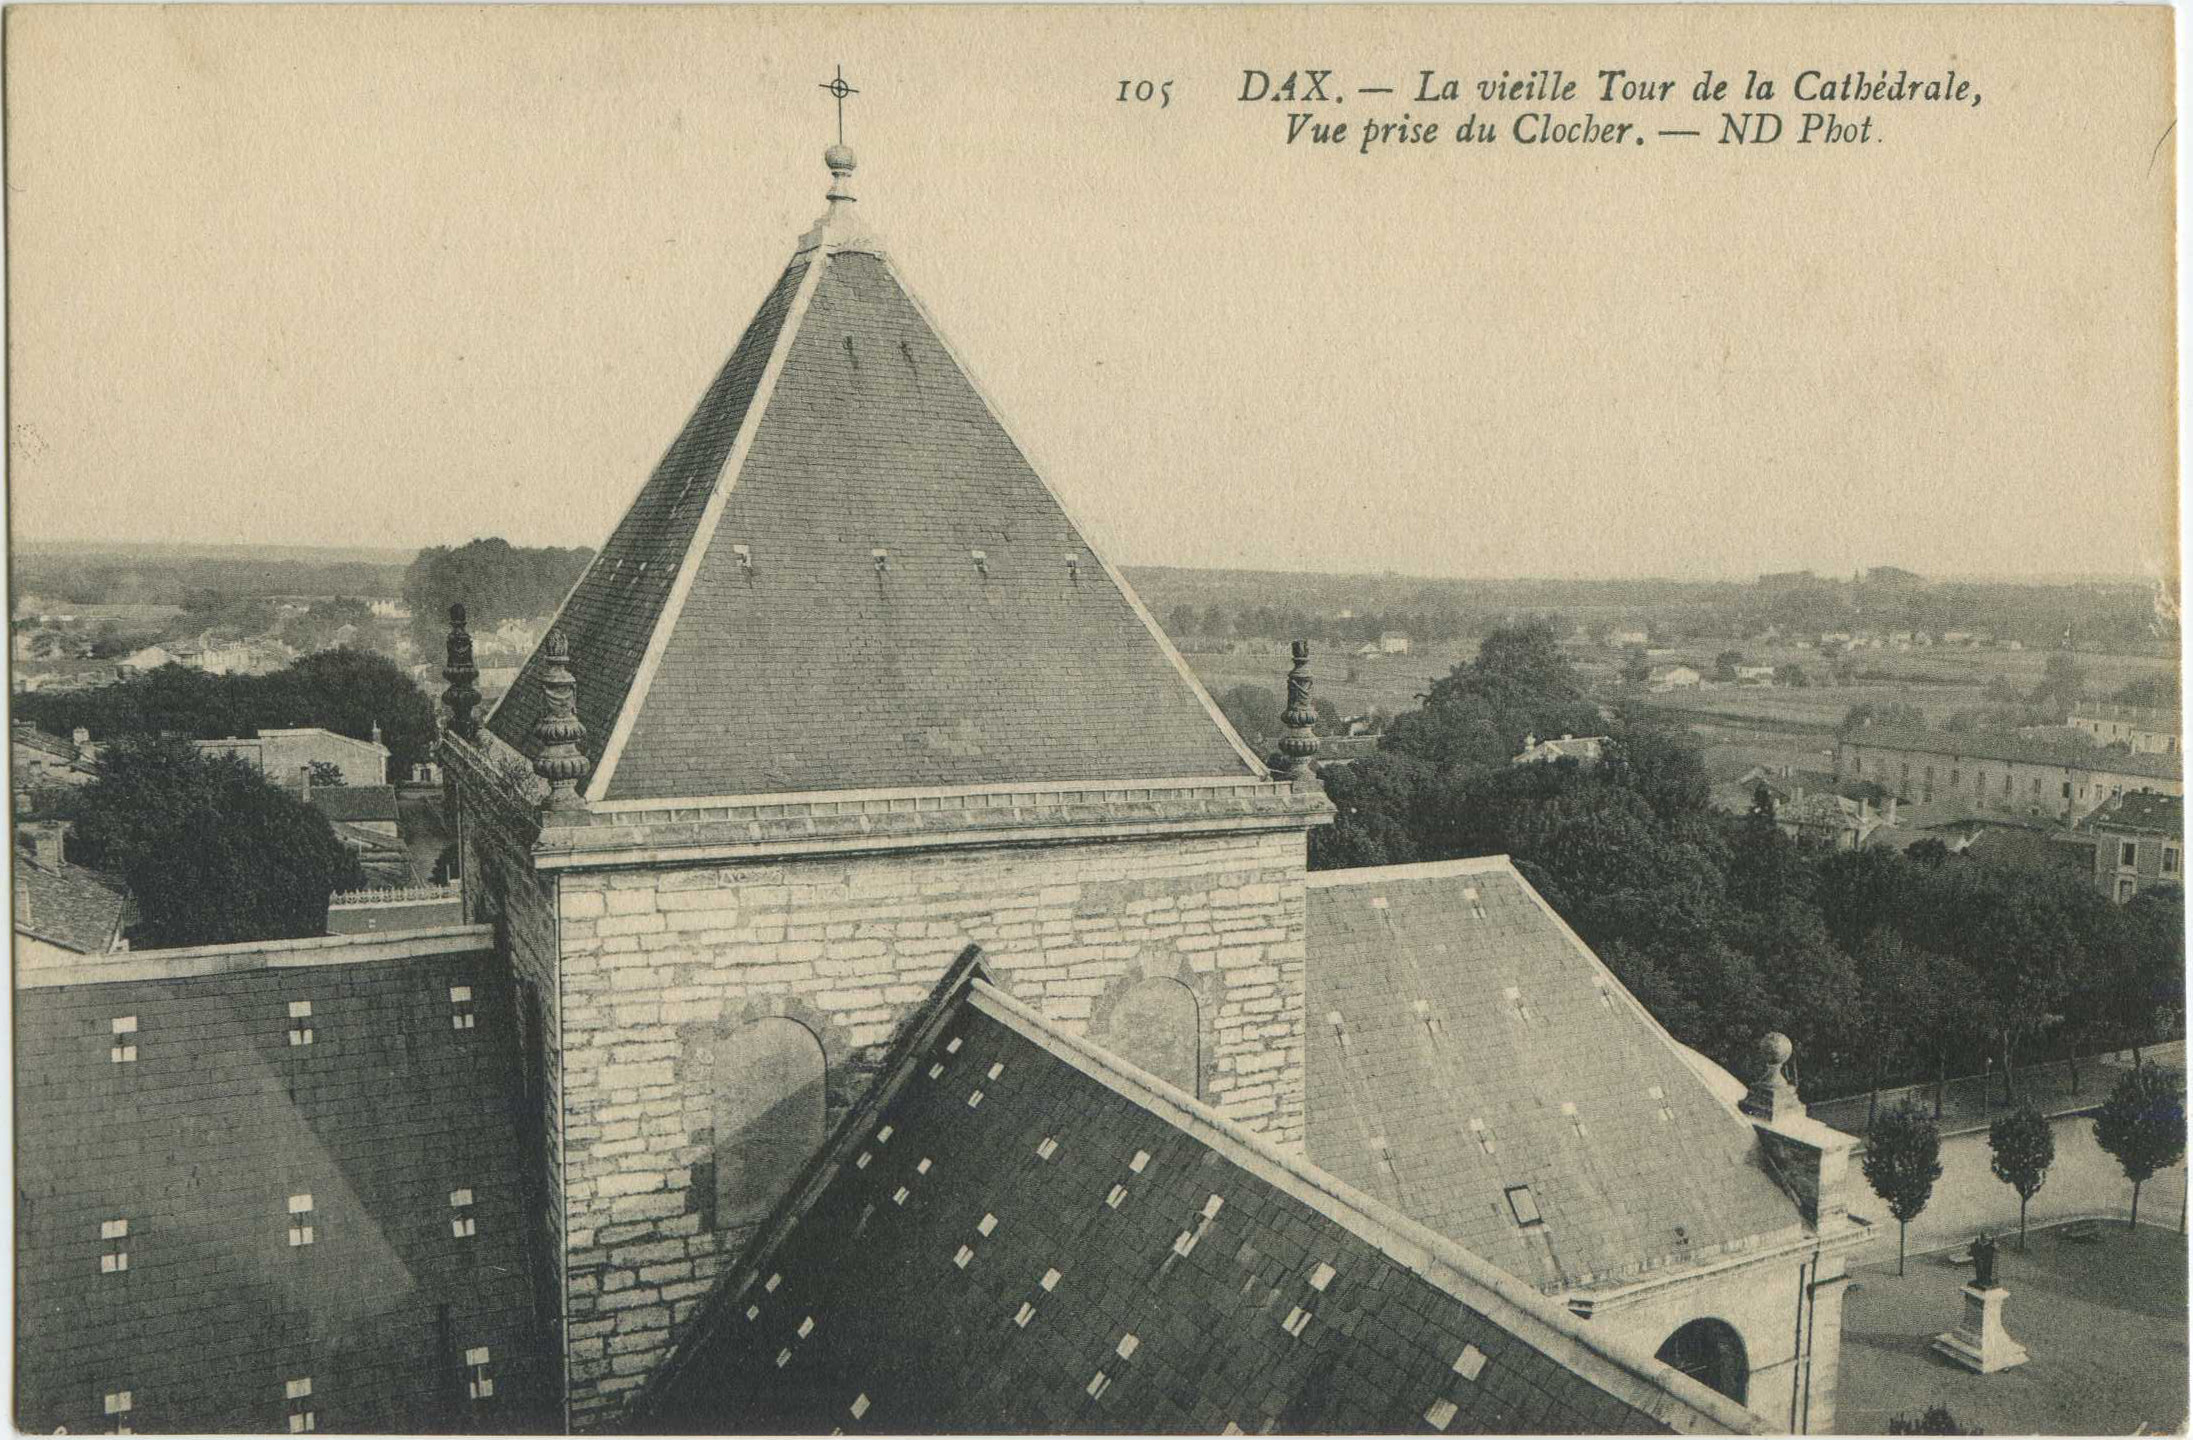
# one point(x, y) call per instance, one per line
point(1739, 726)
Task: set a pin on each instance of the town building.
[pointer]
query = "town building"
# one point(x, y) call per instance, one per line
point(1760, 675)
point(2006, 773)
point(64, 912)
point(2138, 843)
point(36, 759)
point(281, 754)
point(2148, 731)
point(1672, 677)
point(1585, 750)
point(1473, 1065)
point(1393, 642)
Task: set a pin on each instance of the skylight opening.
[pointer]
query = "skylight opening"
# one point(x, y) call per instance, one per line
point(989, 1223)
point(1441, 1415)
point(481, 1385)
point(860, 1405)
point(1127, 1346)
point(1050, 1279)
point(1140, 1163)
point(1119, 1194)
point(1047, 1149)
point(1469, 1362)
point(300, 1220)
point(1297, 1321)
point(1022, 1316)
point(1321, 1277)
point(114, 1259)
point(461, 1222)
point(1524, 1206)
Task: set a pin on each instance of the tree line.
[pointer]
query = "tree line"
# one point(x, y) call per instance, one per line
point(1884, 969)
point(347, 691)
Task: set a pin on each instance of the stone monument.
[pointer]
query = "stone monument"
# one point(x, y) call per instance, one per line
point(1981, 1343)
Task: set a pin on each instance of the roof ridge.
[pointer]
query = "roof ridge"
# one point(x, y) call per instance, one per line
point(1073, 517)
point(1419, 870)
point(704, 531)
point(1438, 1260)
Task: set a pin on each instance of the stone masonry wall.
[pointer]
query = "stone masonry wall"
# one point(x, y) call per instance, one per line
point(495, 827)
point(655, 962)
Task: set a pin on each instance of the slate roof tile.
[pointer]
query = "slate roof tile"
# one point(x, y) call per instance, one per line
point(1612, 1197)
point(920, 1314)
point(200, 1140)
point(69, 906)
point(811, 669)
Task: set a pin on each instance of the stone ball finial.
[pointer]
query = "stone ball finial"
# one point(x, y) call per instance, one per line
point(1775, 1046)
point(456, 614)
point(841, 160)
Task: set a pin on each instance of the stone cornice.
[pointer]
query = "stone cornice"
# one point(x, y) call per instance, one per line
point(497, 781)
point(920, 822)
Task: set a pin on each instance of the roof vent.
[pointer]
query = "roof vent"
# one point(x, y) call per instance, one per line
point(982, 562)
point(746, 557)
point(882, 558)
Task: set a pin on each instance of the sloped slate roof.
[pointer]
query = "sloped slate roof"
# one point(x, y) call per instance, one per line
point(1454, 1022)
point(72, 907)
point(2160, 814)
point(1988, 745)
point(199, 1142)
point(355, 802)
point(1018, 1232)
point(840, 427)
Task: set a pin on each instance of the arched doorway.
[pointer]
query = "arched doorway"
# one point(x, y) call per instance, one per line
point(769, 1106)
point(1153, 1024)
point(1710, 1352)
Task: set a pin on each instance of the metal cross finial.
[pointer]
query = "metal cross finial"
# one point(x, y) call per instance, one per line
point(839, 90)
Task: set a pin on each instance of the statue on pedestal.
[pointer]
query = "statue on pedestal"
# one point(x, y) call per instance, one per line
point(1983, 1261)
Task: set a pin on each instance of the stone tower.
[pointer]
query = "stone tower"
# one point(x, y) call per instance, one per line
point(846, 690)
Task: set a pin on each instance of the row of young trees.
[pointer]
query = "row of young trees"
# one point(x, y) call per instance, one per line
point(2141, 1125)
point(1883, 969)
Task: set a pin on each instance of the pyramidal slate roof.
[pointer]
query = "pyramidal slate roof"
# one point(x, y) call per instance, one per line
point(1474, 1065)
point(1016, 1231)
point(845, 574)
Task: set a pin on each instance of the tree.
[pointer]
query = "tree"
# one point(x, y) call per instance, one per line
point(2024, 1146)
point(1888, 714)
point(1903, 1160)
point(1936, 1420)
point(1180, 622)
point(1636, 665)
point(1725, 663)
point(496, 580)
point(324, 772)
point(2160, 691)
point(2063, 683)
point(2142, 1123)
point(1477, 714)
point(1791, 676)
point(212, 852)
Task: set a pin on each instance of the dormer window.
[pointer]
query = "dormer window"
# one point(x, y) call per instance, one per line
point(461, 1222)
point(300, 1022)
point(481, 1384)
point(124, 1050)
point(460, 1007)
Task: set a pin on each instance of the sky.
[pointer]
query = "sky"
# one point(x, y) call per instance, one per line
point(374, 276)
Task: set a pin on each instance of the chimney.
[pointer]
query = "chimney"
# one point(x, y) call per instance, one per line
point(46, 842)
point(1889, 815)
point(304, 783)
point(1808, 1158)
point(376, 732)
point(1530, 742)
point(80, 737)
